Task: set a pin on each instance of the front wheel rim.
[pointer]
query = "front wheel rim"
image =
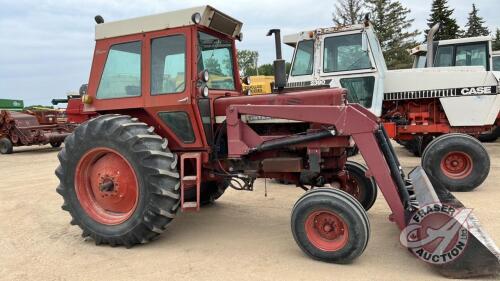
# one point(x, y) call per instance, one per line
point(456, 165)
point(326, 230)
point(106, 186)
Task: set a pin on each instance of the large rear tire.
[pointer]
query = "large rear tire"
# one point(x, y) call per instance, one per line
point(458, 161)
point(364, 189)
point(330, 225)
point(209, 192)
point(119, 181)
point(6, 146)
point(490, 137)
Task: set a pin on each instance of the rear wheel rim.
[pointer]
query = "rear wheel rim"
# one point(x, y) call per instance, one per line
point(456, 165)
point(326, 230)
point(354, 187)
point(106, 186)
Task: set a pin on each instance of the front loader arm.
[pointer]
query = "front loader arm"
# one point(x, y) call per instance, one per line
point(348, 120)
point(480, 257)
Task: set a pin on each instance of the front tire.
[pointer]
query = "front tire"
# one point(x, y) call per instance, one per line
point(6, 146)
point(119, 181)
point(458, 161)
point(56, 144)
point(330, 225)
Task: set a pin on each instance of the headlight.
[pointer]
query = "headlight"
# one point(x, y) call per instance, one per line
point(204, 91)
point(196, 18)
point(205, 76)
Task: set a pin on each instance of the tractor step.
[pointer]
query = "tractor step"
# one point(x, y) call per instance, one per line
point(190, 205)
point(190, 181)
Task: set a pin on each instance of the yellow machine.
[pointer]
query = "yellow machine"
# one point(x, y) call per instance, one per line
point(259, 85)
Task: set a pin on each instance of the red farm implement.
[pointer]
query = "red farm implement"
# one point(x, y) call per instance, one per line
point(32, 127)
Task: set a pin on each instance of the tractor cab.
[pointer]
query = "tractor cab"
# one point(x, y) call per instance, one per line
point(168, 68)
point(472, 51)
point(348, 57)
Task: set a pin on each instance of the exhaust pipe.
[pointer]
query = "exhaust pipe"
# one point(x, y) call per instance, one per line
point(279, 63)
point(430, 44)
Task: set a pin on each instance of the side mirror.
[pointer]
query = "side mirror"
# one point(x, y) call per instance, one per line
point(364, 42)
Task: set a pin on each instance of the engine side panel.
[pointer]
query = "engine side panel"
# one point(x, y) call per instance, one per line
point(471, 110)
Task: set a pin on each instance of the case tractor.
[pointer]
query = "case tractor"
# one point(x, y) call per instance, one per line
point(168, 138)
point(470, 51)
point(433, 111)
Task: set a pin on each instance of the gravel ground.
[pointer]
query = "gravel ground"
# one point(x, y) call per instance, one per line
point(244, 236)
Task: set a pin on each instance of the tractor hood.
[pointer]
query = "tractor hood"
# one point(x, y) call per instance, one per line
point(438, 78)
point(478, 91)
point(325, 96)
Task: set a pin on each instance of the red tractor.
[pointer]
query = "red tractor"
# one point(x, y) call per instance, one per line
point(174, 130)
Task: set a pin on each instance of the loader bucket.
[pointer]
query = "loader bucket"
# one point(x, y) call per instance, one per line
point(478, 256)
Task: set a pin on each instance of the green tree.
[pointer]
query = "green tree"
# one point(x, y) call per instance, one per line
point(266, 69)
point(247, 62)
point(441, 13)
point(348, 12)
point(496, 41)
point(393, 27)
point(213, 66)
point(475, 24)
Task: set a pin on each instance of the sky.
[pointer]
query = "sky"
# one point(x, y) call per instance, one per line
point(46, 46)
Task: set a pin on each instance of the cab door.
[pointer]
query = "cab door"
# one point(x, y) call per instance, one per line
point(347, 61)
point(169, 87)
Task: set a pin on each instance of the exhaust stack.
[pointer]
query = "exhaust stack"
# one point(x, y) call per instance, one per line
point(279, 63)
point(430, 44)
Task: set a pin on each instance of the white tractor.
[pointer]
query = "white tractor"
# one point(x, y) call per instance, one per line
point(433, 111)
point(470, 51)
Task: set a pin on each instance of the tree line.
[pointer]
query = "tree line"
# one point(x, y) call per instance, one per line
point(393, 25)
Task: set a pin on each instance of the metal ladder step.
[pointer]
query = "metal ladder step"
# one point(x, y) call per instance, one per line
point(190, 205)
point(188, 181)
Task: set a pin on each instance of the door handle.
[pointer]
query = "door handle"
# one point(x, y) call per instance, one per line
point(184, 100)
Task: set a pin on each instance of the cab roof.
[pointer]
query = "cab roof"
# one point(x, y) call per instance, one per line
point(423, 47)
point(292, 39)
point(210, 17)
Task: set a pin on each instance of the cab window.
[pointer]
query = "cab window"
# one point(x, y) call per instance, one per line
point(168, 65)
point(345, 53)
point(122, 72)
point(216, 56)
point(444, 56)
point(360, 89)
point(468, 55)
point(304, 58)
point(496, 63)
point(421, 59)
